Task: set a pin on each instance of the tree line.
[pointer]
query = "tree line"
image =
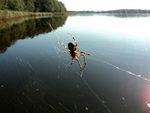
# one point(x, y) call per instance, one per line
point(33, 5)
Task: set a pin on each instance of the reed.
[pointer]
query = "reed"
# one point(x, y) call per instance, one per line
point(7, 14)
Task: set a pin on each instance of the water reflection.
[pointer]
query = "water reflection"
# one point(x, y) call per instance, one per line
point(33, 76)
point(26, 29)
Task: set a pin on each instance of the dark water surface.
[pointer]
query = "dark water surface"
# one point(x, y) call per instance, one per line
point(35, 76)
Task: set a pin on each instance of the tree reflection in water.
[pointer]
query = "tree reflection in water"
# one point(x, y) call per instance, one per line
point(26, 29)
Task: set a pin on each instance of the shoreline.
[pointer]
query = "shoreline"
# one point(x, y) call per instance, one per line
point(7, 14)
point(9, 18)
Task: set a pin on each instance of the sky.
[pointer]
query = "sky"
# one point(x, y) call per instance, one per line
point(99, 5)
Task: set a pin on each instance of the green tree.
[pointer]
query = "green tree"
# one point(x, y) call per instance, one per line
point(16, 5)
point(33, 5)
point(29, 5)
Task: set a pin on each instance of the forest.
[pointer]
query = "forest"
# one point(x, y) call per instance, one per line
point(33, 5)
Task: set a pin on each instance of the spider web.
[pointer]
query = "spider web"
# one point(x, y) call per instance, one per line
point(60, 49)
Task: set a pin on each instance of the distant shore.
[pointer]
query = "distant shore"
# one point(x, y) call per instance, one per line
point(8, 14)
point(123, 11)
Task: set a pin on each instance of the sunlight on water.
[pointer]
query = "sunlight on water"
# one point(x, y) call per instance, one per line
point(148, 104)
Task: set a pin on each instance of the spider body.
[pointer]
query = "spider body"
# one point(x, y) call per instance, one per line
point(75, 53)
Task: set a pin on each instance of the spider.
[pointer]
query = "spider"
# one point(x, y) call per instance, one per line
point(75, 53)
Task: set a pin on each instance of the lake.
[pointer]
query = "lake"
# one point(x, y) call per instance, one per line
point(36, 75)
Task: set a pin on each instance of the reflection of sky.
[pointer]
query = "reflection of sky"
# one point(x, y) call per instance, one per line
point(138, 27)
point(121, 39)
point(125, 44)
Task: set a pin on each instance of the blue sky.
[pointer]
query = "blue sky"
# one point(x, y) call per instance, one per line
point(98, 5)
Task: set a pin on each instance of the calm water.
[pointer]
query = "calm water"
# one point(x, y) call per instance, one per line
point(35, 76)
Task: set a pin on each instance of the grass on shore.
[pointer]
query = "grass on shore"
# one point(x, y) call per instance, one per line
point(7, 14)
point(9, 18)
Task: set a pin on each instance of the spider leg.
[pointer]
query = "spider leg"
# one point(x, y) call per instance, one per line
point(72, 62)
point(85, 53)
point(81, 67)
point(84, 57)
